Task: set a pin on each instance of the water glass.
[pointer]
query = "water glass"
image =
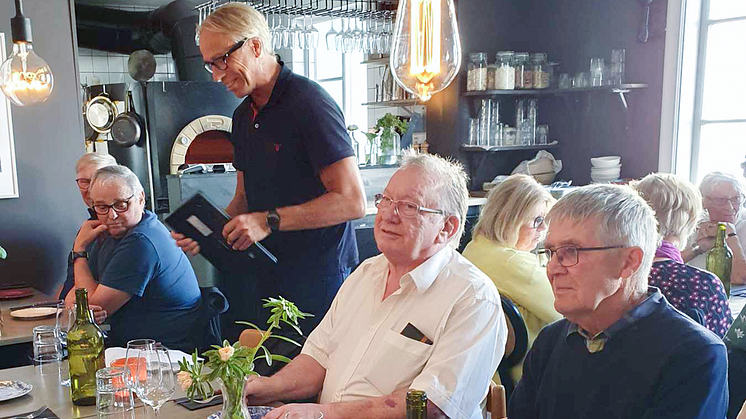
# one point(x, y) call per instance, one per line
point(542, 134)
point(616, 70)
point(113, 398)
point(47, 350)
point(580, 81)
point(597, 72)
point(564, 81)
point(474, 131)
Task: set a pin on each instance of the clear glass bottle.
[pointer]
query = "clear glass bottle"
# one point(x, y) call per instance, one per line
point(532, 117)
point(540, 70)
point(476, 78)
point(85, 344)
point(523, 75)
point(416, 404)
point(719, 259)
point(504, 70)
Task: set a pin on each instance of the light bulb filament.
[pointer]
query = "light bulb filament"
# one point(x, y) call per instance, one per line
point(425, 47)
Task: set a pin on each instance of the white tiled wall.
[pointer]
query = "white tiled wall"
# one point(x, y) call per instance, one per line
point(98, 67)
point(375, 76)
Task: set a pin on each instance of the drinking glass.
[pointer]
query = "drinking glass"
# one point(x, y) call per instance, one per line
point(564, 81)
point(47, 350)
point(155, 377)
point(311, 34)
point(331, 35)
point(113, 398)
point(357, 37)
point(63, 322)
point(299, 40)
point(597, 71)
point(580, 80)
point(339, 38)
point(133, 357)
point(349, 38)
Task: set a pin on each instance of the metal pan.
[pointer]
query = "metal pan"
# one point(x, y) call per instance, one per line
point(127, 127)
point(100, 113)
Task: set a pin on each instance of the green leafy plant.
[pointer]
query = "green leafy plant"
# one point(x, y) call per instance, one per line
point(233, 363)
point(3, 253)
point(384, 126)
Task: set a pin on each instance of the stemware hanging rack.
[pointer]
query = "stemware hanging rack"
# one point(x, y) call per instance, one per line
point(361, 9)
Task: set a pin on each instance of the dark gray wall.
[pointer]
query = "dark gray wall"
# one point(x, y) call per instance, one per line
point(39, 227)
point(585, 124)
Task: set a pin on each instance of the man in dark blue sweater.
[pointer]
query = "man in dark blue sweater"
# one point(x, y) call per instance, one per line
point(622, 351)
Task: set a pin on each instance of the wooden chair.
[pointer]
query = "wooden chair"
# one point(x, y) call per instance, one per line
point(516, 345)
point(496, 404)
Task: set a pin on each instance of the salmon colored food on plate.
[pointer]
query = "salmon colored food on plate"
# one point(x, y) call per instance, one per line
point(132, 366)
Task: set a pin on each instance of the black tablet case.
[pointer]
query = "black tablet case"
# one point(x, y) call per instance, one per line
point(200, 219)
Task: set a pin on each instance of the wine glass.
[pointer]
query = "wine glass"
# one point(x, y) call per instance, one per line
point(357, 37)
point(312, 35)
point(132, 359)
point(155, 377)
point(299, 40)
point(339, 38)
point(331, 36)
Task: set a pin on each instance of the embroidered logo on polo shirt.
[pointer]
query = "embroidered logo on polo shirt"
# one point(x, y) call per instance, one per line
point(277, 147)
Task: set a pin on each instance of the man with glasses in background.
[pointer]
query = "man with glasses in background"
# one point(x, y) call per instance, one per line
point(128, 262)
point(622, 350)
point(417, 316)
point(298, 181)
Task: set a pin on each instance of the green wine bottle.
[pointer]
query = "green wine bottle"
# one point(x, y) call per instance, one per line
point(85, 345)
point(416, 404)
point(720, 259)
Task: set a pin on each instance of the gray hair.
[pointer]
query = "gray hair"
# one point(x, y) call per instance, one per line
point(622, 218)
point(713, 179)
point(110, 174)
point(446, 187)
point(510, 205)
point(97, 160)
point(676, 202)
point(239, 20)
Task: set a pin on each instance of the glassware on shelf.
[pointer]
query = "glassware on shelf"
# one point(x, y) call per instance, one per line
point(532, 117)
point(485, 119)
point(540, 70)
point(523, 75)
point(474, 131)
point(616, 69)
point(565, 82)
point(597, 72)
point(509, 136)
point(504, 74)
point(580, 81)
point(542, 134)
point(476, 78)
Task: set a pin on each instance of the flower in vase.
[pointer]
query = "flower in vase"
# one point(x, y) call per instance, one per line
point(226, 352)
point(184, 378)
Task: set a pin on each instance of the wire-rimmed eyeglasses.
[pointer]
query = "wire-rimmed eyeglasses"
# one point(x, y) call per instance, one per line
point(735, 201)
point(83, 183)
point(118, 207)
point(567, 256)
point(222, 62)
point(403, 208)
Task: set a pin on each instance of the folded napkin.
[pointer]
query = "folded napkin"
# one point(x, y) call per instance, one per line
point(184, 401)
point(47, 414)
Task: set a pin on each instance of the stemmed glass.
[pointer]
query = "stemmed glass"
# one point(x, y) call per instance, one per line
point(156, 380)
point(357, 38)
point(133, 357)
point(330, 37)
point(280, 34)
point(339, 38)
point(312, 35)
point(299, 40)
point(348, 39)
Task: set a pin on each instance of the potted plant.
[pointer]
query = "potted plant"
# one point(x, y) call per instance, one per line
point(232, 365)
point(385, 132)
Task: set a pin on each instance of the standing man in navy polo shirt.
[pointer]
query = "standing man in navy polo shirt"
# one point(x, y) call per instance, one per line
point(298, 180)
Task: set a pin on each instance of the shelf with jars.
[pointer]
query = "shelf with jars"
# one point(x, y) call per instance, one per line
point(478, 148)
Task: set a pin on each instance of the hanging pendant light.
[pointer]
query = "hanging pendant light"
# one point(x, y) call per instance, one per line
point(426, 51)
point(25, 78)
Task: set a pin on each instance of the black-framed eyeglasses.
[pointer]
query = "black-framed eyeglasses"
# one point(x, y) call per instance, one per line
point(118, 207)
point(538, 221)
point(83, 183)
point(403, 208)
point(736, 201)
point(221, 63)
point(567, 256)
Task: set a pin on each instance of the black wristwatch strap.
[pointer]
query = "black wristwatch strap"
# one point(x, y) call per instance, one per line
point(273, 220)
point(78, 255)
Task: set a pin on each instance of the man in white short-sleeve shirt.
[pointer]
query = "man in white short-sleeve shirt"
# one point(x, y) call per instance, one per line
point(419, 316)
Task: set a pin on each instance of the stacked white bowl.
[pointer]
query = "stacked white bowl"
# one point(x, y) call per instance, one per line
point(605, 169)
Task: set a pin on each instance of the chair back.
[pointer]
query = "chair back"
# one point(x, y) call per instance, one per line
point(516, 345)
point(214, 304)
point(496, 403)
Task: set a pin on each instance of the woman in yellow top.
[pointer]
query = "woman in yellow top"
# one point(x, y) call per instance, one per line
point(510, 225)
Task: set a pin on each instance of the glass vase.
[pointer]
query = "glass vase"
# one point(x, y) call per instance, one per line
point(389, 147)
point(234, 398)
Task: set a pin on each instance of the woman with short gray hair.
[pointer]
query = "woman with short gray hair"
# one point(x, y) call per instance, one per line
point(697, 293)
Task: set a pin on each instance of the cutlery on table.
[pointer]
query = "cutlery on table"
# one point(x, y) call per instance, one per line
point(52, 303)
point(33, 415)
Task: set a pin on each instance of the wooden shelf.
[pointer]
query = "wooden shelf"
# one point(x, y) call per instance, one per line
point(392, 103)
point(376, 61)
point(471, 148)
point(621, 88)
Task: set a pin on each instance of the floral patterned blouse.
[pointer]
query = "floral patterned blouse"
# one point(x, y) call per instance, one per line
point(697, 293)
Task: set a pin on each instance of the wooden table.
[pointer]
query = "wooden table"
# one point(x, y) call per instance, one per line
point(48, 391)
point(15, 331)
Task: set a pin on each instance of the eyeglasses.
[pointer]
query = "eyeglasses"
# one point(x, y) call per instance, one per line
point(403, 208)
point(222, 62)
point(83, 183)
point(118, 207)
point(538, 221)
point(567, 256)
point(736, 201)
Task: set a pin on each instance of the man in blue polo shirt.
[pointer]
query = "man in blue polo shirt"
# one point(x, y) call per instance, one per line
point(622, 351)
point(298, 180)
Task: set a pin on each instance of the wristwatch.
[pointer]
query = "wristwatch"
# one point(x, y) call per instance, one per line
point(273, 220)
point(78, 255)
point(696, 249)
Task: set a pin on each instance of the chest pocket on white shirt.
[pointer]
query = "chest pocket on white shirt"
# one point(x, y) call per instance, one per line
point(396, 362)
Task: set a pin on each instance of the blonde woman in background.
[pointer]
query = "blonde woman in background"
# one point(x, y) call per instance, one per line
point(510, 226)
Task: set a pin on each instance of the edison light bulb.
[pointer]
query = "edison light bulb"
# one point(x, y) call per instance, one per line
point(26, 78)
point(426, 51)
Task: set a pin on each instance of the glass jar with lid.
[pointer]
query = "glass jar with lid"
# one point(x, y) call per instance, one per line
point(476, 76)
point(504, 70)
point(540, 70)
point(523, 73)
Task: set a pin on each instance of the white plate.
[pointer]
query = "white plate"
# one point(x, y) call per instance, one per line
point(34, 312)
point(255, 412)
point(13, 389)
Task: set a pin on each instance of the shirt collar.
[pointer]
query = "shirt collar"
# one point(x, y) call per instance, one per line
point(280, 84)
point(424, 275)
point(645, 308)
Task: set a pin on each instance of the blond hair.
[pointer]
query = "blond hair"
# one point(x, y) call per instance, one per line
point(509, 206)
point(676, 202)
point(95, 160)
point(239, 21)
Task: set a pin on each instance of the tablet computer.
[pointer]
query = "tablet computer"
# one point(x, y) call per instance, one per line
point(200, 219)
